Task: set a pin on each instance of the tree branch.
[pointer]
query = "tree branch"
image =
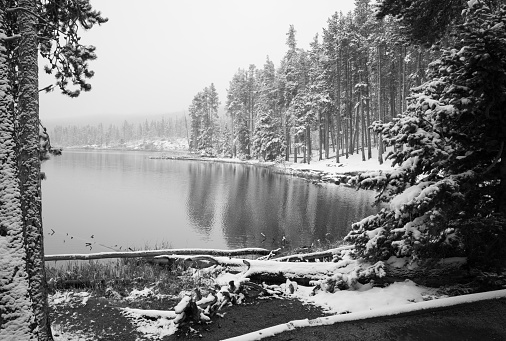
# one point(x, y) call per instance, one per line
point(7, 38)
point(496, 159)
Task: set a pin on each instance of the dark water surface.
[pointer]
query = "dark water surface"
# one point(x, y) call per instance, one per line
point(114, 200)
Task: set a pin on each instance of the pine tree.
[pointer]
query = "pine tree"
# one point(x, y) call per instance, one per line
point(17, 321)
point(448, 195)
point(204, 116)
point(26, 25)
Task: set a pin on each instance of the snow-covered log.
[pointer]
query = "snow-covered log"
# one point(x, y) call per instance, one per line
point(272, 271)
point(154, 253)
point(304, 257)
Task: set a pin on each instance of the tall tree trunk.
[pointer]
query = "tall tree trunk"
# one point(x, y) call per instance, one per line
point(380, 138)
point(287, 137)
point(29, 165)
point(17, 321)
point(295, 148)
point(308, 134)
point(338, 105)
point(502, 177)
point(327, 134)
point(368, 117)
point(362, 120)
point(332, 133)
point(349, 76)
point(321, 136)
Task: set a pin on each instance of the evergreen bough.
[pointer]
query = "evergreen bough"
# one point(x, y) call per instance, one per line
point(447, 196)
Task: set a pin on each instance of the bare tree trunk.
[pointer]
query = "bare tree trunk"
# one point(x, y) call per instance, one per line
point(321, 137)
point(308, 133)
point(29, 165)
point(17, 321)
point(361, 107)
point(502, 176)
point(380, 138)
point(327, 133)
point(287, 137)
point(332, 133)
point(338, 107)
point(295, 149)
point(349, 77)
point(368, 117)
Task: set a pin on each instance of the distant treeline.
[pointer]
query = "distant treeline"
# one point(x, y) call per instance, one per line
point(73, 135)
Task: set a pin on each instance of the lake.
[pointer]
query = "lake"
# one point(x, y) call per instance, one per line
point(95, 201)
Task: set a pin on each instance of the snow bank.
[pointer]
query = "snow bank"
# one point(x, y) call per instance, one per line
point(365, 298)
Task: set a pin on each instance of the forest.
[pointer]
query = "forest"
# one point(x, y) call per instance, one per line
point(357, 71)
point(115, 136)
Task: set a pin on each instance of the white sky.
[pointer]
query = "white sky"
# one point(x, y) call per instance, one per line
point(155, 55)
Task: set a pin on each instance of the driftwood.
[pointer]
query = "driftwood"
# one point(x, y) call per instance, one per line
point(154, 253)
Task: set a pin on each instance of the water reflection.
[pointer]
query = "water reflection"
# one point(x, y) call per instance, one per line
point(127, 200)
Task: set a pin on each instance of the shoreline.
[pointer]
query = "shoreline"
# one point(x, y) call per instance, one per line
point(303, 170)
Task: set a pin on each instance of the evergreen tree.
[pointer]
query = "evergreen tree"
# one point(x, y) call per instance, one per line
point(238, 109)
point(448, 196)
point(204, 115)
point(423, 21)
point(27, 25)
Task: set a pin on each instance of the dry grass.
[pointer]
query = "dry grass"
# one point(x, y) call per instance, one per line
point(122, 275)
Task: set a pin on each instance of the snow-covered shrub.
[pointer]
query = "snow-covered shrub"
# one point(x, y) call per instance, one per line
point(452, 164)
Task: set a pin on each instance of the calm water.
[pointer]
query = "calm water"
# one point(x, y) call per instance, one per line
point(116, 200)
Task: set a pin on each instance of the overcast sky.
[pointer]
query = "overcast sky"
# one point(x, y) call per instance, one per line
point(155, 55)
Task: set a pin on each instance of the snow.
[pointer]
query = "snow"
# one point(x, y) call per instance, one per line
point(365, 298)
point(471, 3)
point(69, 298)
point(351, 164)
point(409, 194)
point(162, 325)
point(389, 310)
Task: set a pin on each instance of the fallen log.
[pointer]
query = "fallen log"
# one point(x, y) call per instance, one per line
point(271, 271)
point(305, 257)
point(154, 253)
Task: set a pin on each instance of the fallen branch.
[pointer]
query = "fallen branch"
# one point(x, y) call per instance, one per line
point(304, 257)
point(271, 271)
point(154, 253)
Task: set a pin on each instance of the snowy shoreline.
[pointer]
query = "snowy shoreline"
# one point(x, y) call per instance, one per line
point(326, 170)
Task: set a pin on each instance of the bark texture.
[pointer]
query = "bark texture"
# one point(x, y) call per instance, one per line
point(29, 164)
point(16, 317)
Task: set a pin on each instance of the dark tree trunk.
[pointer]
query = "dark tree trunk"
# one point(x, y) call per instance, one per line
point(29, 165)
point(338, 106)
point(380, 138)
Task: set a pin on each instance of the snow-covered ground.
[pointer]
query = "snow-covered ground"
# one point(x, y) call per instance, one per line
point(342, 306)
point(353, 163)
point(388, 310)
